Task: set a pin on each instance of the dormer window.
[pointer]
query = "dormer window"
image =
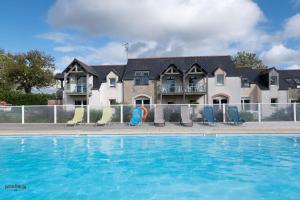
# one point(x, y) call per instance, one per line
point(220, 79)
point(141, 78)
point(245, 82)
point(274, 80)
point(112, 82)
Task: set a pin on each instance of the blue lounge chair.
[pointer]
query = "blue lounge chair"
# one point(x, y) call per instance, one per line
point(136, 116)
point(208, 115)
point(234, 116)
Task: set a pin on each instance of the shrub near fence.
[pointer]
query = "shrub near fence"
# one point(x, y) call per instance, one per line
point(18, 98)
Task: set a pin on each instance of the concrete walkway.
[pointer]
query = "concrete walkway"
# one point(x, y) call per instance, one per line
point(117, 128)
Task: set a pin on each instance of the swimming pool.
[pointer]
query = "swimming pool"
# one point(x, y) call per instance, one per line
point(150, 167)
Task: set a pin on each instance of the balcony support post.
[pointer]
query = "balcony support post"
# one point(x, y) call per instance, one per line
point(183, 87)
point(161, 88)
point(87, 89)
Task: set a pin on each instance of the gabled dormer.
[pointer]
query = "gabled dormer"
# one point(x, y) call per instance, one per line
point(270, 78)
point(220, 75)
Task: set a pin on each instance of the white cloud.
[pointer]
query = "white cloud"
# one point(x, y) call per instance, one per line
point(55, 37)
point(281, 55)
point(168, 27)
point(295, 66)
point(292, 27)
point(112, 53)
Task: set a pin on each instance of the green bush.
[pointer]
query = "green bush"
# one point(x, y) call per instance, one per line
point(18, 98)
point(247, 116)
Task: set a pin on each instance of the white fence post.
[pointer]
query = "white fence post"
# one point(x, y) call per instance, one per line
point(295, 113)
point(55, 114)
point(23, 115)
point(259, 112)
point(121, 113)
point(88, 114)
point(224, 112)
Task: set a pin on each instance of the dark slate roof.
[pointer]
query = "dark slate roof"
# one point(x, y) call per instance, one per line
point(254, 76)
point(286, 74)
point(103, 70)
point(84, 66)
point(157, 65)
point(59, 76)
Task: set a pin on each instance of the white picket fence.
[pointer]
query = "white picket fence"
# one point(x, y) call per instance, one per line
point(59, 114)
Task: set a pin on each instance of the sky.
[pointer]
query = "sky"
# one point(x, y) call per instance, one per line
point(95, 31)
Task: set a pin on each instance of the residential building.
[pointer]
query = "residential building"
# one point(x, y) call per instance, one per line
point(177, 80)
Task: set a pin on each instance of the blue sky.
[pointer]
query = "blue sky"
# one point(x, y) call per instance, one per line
point(94, 30)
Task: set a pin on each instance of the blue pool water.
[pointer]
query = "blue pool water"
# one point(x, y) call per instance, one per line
point(150, 167)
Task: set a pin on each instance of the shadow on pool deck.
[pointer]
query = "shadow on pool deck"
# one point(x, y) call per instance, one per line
point(147, 128)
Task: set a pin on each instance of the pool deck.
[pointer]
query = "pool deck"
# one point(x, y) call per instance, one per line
point(170, 128)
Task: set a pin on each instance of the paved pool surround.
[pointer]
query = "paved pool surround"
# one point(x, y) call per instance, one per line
point(149, 128)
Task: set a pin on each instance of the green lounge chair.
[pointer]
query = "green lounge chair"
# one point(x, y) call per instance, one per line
point(234, 116)
point(78, 117)
point(208, 115)
point(106, 117)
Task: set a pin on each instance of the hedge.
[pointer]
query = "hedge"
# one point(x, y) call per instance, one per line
point(18, 98)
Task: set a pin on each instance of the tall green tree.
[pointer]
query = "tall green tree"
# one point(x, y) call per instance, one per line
point(5, 60)
point(33, 69)
point(247, 59)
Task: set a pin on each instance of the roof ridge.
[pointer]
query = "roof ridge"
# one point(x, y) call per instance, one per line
point(118, 65)
point(178, 57)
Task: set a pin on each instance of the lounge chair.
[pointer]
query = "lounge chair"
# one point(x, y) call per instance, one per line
point(185, 116)
point(136, 116)
point(234, 116)
point(78, 117)
point(106, 118)
point(208, 115)
point(159, 116)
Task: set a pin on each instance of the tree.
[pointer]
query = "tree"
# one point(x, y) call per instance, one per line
point(31, 69)
point(5, 60)
point(246, 59)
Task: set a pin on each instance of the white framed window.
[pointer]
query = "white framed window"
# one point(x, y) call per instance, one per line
point(141, 78)
point(273, 102)
point(220, 79)
point(142, 100)
point(219, 100)
point(112, 101)
point(112, 82)
point(274, 80)
point(245, 82)
point(245, 101)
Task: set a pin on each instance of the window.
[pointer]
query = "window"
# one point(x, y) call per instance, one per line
point(112, 82)
point(218, 101)
point(112, 102)
point(171, 102)
point(141, 78)
point(274, 102)
point(297, 80)
point(142, 100)
point(245, 82)
point(193, 101)
point(220, 79)
point(274, 80)
point(245, 101)
point(80, 102)
point(170, 84)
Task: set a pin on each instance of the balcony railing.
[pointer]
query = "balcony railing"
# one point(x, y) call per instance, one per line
point(77, 89)
point(195, 88)
point(176, 89)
